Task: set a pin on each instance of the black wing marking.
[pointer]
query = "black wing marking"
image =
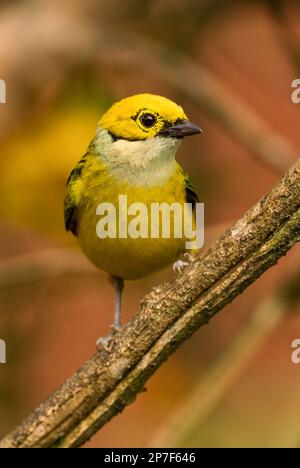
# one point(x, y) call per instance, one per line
point(190, 194)
point(70, 202)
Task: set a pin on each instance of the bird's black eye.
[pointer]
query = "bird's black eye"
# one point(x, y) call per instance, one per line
point(148, 120)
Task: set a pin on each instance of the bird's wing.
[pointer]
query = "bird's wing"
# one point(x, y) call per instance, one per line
point(73, 195)
point(190, 194)
point(190, 197)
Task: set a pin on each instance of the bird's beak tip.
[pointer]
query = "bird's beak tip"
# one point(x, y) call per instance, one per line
point(181, 129)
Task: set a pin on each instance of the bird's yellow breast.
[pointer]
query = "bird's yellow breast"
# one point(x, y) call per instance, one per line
point(129, 258)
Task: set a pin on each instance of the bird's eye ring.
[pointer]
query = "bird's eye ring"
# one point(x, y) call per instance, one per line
point(148, 120)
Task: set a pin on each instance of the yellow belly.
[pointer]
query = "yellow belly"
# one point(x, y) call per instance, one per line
point(129, 258)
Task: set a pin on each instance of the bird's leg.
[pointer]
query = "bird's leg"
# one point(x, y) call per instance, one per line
point(118, 284)
point(180, 265)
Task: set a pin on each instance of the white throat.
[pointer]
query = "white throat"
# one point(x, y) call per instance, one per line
point(144, 162)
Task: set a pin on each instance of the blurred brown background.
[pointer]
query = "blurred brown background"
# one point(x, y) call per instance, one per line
point(65, 62)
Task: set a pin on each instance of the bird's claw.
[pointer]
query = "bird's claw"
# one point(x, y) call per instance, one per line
point(190, 258)
point(115, 328)
point(180, 265)
point(105, 341)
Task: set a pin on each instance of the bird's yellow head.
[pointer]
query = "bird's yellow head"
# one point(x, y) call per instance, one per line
point(145, 116)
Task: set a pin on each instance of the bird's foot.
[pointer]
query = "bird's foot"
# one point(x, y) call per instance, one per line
point(105, 341)
point(115, 328)
point(180, 265)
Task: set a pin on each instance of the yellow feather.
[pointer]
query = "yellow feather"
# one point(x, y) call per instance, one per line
point(118, 119)
point(127, 258)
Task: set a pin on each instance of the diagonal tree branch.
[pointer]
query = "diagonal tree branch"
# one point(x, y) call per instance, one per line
point(223, 373)
point(169, 315)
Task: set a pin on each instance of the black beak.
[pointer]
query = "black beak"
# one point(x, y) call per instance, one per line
point(180, 129)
